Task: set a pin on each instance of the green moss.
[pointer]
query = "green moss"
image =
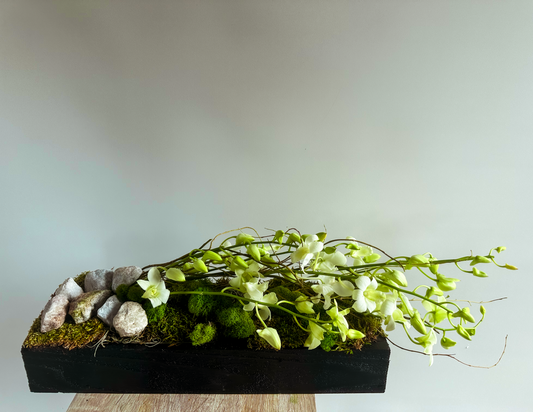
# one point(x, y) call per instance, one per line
point(174, 327)
point(329, 341)
point(122, 292)
point(69, 335)
point(202, 334)
point(237, 322)
point(80, 279)
point(202, 305)
point(154, 314)
point(135, 293)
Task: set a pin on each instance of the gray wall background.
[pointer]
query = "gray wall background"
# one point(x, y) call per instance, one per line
point(131, 132)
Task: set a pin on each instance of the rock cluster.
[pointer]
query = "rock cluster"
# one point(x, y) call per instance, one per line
point(96, 298)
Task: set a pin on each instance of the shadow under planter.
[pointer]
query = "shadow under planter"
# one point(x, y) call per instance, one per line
point(120, 368)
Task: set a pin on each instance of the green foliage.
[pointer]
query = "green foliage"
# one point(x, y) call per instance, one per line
point(202, 334)
point(69, 335)
point(122, 292)
point(154, 314)
point(237, 323)
point(330, 340)
point(135, 293)
point(202, 305)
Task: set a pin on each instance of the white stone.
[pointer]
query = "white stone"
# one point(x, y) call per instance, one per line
point(84, 308)
point(100, 279)
point(127, 275)
point(70, 289)
point(109, 309)
point(130, 320)
point(54, 312)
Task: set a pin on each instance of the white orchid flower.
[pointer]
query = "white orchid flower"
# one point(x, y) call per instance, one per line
point(316, 336)
point(307, 250)
point(245, 275)
point(366, 297)
point(338, 320)
point(155, 288)
point(436, 313)
point(255, 291)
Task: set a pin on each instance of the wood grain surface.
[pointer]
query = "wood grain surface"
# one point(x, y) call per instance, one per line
point(91, 402)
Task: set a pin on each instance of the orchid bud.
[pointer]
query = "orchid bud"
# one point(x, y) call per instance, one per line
point(175, 274)
point(510, 267)
point(482, 310)
point(253, 251)
point(418, 260)
point(210, 255)
point(480, 259)
point(463, 333)
point(447, 343)
point(479, 273)
point(271, 336)
point(278, 237)
point(446, 284)
point(464, 314)
point(354, 334)
point(294, 238)
point(396, 276)
point(244, 238)
point(200, 266)
point(418, 323)
point(371, 258)
point(267, 259)
point(434, 269)
point(304, 306)
point(433, 291)
point(500, 249)
point(239, 261)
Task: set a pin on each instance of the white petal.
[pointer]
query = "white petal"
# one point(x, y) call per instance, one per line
point(316, 247)
point(360, 305)
point(343, 288)
point(362, 282)
point(144, 284)
point(370, 305)
point(165, 294)
point(153, 276)
point(388, 307)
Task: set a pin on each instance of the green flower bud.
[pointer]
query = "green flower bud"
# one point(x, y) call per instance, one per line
point(434, 269)
point(418, 323)
point(479, 273)
point(371, 258)
point(354, 334)
point(446, 284)
point(322, 236)
point(464, 314)
point(200, 266)
point(395, 276)
point(187, 267)
point(304, 306)
point(433, 291)
point(480, 259)
point(271, 336)
point(471, 331)
point(510, 267)
point(418, 260)
point(352, 246)
point(253, 251)
point(294, 238)
point(447, 343)
point(482, 310)
point(175, 274)
point(239, 261)
point(267, 259)
point(210, 255)
point(329, 250)
point(244, 238)
point(500, 249)
point(463, 333)
point(278, 237)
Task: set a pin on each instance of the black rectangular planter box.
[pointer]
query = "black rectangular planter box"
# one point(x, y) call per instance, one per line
point(119, 368)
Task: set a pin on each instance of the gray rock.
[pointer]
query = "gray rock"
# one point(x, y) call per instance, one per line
point(70, 289)
point(108, 310)
point(54, 312)
point(126, 275)
point(100, 279)
point(130, 320)
point(84, 308)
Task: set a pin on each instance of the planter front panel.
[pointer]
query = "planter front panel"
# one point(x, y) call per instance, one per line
point(133, 368)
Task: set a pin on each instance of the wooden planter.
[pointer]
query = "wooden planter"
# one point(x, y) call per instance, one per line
point(119, 368)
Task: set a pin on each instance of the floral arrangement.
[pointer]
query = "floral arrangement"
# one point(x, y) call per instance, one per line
point(282, 290)
point(333, 279)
